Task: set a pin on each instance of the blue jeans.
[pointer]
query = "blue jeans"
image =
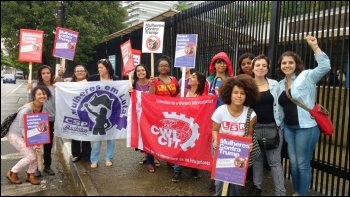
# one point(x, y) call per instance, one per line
point(301, 145)
point(96, 149)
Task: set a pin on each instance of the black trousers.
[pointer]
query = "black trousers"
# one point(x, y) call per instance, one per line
point(48, 147)
point(81, 149)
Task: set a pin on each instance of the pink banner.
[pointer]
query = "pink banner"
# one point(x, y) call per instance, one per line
point(30, 45)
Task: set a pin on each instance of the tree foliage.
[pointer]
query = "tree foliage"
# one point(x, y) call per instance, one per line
point(92, 19)
point(182, 6)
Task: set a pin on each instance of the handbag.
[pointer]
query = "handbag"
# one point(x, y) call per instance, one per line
point(5, 126)
point(255, 152)
point(267, 135)
point(318, 112)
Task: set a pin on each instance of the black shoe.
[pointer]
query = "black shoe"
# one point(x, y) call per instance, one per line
point(86, 159)
point(255, 192)
point(177, 177)
point(196, 174)
point(49, 171)
point(37, 173)
point(212, 186)
point(75, 159)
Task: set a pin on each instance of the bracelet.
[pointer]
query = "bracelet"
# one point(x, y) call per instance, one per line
point(315, 48)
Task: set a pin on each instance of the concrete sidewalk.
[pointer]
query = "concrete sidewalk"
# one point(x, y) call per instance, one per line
point(127, 178)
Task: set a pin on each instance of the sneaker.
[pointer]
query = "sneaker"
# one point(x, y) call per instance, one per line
point(37, 173)
point(49, 171)
point(75, 159)
point(177, 177)
point(196, 174)
point(256, 191)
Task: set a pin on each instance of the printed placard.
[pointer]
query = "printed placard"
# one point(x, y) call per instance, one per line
point(152, 38)
point(36, 129)
point(65, 43)
point(231, 159)
point(185, 55)
point(30, 45)
point(127, 57)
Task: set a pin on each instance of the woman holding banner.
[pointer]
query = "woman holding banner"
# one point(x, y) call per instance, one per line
point(106, 73)
point(80, 149)
point(141, 82)
point(164, 85)
point(40, 95)
point(197, 83)
point(236, 94)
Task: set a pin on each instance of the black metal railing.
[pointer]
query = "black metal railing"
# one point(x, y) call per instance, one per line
point(271, 28)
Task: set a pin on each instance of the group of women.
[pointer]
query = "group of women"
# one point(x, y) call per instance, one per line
point(250, 89)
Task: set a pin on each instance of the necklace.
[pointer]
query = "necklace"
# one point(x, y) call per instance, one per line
point(261, 84)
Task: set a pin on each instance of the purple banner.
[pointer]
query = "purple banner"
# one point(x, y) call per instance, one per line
point(231, 159)
point(185, 55)
point(65, 43)
point(37, 130)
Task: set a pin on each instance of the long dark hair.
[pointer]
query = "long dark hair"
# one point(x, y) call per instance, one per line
point(202, 80)
point(299, 64)
point(108, 66)
point(135, 78)
point(39, 77)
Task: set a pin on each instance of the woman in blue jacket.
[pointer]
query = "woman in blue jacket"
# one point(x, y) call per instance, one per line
point(300, 129)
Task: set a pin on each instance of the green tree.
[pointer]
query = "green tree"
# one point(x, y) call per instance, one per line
point(182, 6)
point(92, 19)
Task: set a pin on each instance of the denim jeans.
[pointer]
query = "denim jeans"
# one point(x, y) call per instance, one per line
point(177, 168)
point(301, 145)
point(96, 149)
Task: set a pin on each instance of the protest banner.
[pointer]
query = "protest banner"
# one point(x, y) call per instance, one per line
point(152, 39)
point(231, 159)
point(91, 111)
point(177, 130)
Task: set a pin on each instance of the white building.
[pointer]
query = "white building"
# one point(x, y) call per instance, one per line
point(139, 11)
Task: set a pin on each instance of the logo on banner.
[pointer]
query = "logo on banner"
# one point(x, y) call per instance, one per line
point(153, 43)
point(99, 110)
point(176, 130)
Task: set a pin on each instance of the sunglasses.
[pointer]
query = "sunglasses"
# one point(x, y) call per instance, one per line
point(104, 60)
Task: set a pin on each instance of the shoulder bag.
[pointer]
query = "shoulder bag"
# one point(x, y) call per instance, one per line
point(255, 152)
point(267, 136)
point(319, 113)
point(5, 126)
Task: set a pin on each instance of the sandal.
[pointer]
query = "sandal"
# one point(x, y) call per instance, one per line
point(143, 160)
point(156, 162)
point(109, 163)
point(93, 165)
point(150, 168)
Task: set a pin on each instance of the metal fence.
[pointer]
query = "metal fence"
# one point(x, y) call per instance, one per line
point(270, 28)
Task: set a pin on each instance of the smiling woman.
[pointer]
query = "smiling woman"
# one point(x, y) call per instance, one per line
point(16, 138)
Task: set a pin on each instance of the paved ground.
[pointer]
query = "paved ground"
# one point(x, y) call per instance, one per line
point(127, 178)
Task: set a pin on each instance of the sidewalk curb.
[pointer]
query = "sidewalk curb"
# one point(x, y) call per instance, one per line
point(79, 173)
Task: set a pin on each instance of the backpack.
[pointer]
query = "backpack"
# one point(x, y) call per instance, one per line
point(5, 126)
